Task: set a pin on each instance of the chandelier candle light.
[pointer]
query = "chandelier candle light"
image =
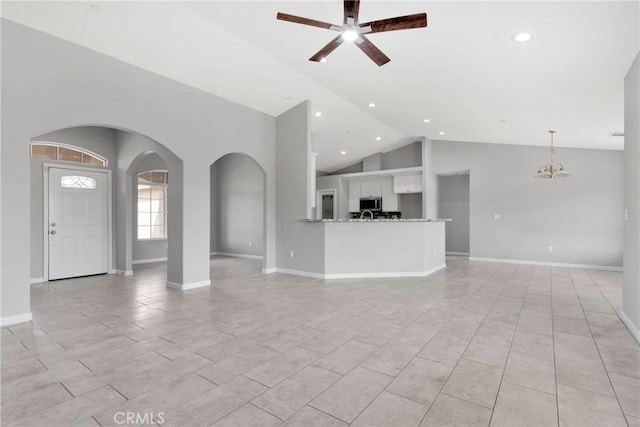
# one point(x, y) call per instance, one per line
point(551, 170)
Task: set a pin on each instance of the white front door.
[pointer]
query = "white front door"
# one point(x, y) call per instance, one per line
point(77, 224)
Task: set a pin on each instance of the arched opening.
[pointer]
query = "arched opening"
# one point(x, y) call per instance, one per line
point(238, 210)
point(123, 153)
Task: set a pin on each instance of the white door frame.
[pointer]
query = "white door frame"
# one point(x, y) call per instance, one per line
point(45, 194)
point(319, 194)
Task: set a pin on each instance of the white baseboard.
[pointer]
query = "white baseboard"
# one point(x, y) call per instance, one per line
point(546, 264)
point(268, 270)
point(300, 273)
point(246, 256)
point(148, 260)
point(187, 286)
point(633, 330)
point(361, 275)
point(124, 273)
point(15, 319)
point(457, 253)
point(36, 280)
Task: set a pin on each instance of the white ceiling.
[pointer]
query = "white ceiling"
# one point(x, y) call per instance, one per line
point(463, 72)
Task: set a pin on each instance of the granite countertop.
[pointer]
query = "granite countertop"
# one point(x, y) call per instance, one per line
point(377, 220)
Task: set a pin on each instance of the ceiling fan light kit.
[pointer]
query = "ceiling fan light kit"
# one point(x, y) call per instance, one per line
point(353, 31)
point(552, 170)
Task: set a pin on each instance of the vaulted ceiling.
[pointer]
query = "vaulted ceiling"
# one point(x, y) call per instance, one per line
point(464, 72)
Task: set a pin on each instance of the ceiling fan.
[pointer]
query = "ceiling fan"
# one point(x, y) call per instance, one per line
point(353, 31)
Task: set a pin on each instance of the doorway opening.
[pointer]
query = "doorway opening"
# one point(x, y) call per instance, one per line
point(454, 203)
point(327, 204)
point(237, 210)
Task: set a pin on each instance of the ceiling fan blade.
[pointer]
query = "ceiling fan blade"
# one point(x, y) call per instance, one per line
point(305, 21)
point(372, 51)
point(330, 47)
point(418, 20)
point(351, 9)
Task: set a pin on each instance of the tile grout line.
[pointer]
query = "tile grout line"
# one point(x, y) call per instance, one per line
point(465, 349)
point(595, 343)
point(553, 346)
point(422, 348)
point(504, 369)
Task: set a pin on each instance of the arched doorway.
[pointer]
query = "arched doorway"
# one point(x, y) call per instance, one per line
point(237, 207)
point(123, 151)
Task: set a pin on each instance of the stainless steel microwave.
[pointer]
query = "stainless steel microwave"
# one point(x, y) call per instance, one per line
point(371, 203)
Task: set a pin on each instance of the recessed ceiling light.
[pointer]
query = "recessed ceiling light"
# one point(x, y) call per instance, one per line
point(372, 105)
point(323, 60)
point(318, 113)
point(343, 152)
point(378, 138)
point(522, 37)
point(427, 121)
point(440, 133)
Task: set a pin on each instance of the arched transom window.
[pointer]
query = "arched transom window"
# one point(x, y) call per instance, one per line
point(66, 153)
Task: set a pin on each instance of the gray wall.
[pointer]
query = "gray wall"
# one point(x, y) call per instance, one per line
point(82, 87)
point(354, 168)
point(454, 203)
point(407, 156)
point(238, 185)
point(631, 291)
point(293, 148)
point(146, 249)
point(96, 139)
point(580, 216)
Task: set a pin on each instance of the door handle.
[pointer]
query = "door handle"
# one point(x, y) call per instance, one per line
point(53, 231)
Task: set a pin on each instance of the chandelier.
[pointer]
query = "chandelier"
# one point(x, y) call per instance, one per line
point(551, 170)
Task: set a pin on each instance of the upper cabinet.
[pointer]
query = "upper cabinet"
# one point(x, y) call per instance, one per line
point(386, 184)
point(407, 183)
point(370, 188)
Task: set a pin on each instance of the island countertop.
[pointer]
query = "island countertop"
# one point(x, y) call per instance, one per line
point(329, 221)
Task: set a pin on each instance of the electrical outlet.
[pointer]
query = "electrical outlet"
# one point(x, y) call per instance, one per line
point(290, 254)
point(550, 249)
point(250, 244)
point(626, 214)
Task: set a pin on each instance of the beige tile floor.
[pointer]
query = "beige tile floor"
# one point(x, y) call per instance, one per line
point(478, 344)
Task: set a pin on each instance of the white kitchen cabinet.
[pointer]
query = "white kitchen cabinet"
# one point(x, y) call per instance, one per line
point(354, 196)
point(370, 188)
point(407, 183)
point(389, 198)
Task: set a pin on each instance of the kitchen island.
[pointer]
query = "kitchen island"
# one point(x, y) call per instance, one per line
point(381, 247)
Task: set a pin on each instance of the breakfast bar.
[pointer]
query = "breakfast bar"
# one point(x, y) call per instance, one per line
point(381, 247)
